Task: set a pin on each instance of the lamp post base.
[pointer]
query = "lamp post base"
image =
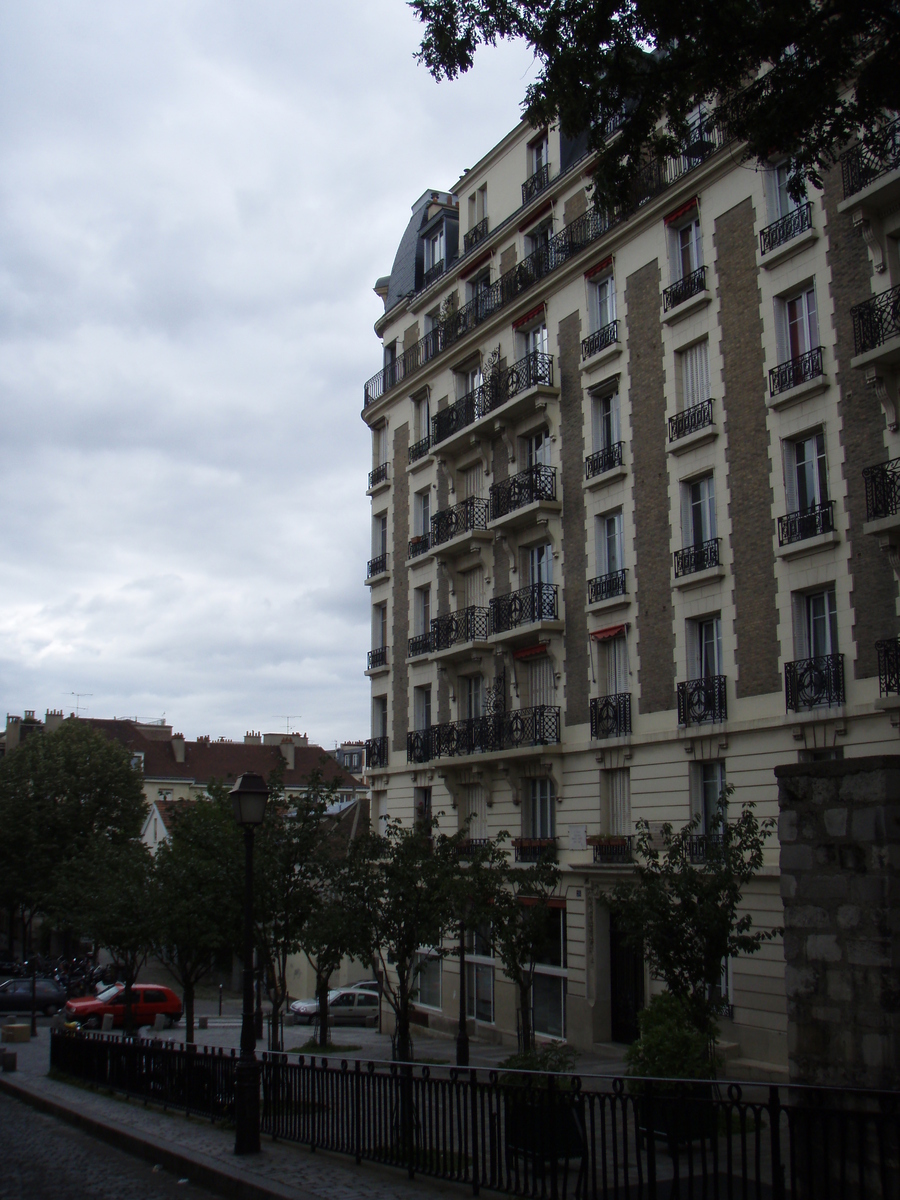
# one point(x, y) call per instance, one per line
point(246, 1106)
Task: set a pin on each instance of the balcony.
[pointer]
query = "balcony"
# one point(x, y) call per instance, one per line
point(888, 667)
point(527, 487)
point(470, 846)
point(814, 682)
point(611, 715)
point(475, 235)
point(451, 523)
point(419, 449)
point(419, 545)
point(882, 490)
point(377, 566)
point(497, 390)
point(608, 587)
point(532, 850)
point(513, 730)
point(809, 522)
point(418, 745)
point(704, 846)
point(378, 475)
point(536, 602)
point(471, 624)
point(703, 556)
point(804, 369)
point(861, 167)
point(602, 461)
point(690, 422)
point(612, 851)
point(376, 753)
point(535, 183)
point(433, 274)
point(701, 701)
point(785, 229)
point(601, 339)
point(684, 289)
point(377, 658)
point(876, 323)
point(418, 645)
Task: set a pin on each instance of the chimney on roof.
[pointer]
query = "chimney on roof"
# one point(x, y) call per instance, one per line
point(178, 747)
point(53, 718)
point(287, 749)
point(252, 739)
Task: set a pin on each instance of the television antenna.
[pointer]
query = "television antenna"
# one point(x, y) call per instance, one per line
point(79, 696)
point(287, 718)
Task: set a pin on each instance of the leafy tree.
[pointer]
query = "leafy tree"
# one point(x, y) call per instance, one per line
point(199, 875)
point(790, 77)
point(683, 914)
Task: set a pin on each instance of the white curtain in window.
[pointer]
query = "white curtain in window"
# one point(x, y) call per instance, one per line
point(617, 679)
point(619, 802)
point(476, 811)
point(471, 591)
point(695, 374)
point(605, 416)
point(541, 686)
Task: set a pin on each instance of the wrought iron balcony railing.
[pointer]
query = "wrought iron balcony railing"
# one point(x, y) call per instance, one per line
point(419, 745)
point(611, 715)
point(475, 235)
point(701, 700)
point(537, 726)
point(420, 544)
point(888, 667)
point(684, 288)
point(419, 449)
point(606, 587)
point(600, 339)
point(378, 475)
point(613, 850)
point(461, 518)
point(377, 657)
point(602, 461)
point(532, 484)
point(433, 273)
point(807, 523)
point(535, 183)
point(698, 416)
point(376, 752)
point(376, 566)
point(471, 624)
point(536, 602)
point(860, 167)
point(535, 368)
point(882, 490)
point(468, 846)
point(703, 846)
point(797, 221)
point(419, 645)
point(532, 850)
point(795, 371)
point(875, 321)
point(699, 557)
point(454, 417)
point(529, 371)
point(814, 682)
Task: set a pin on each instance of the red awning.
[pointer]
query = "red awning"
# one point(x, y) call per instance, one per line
point(682, 211)
point(530, 651)
point(600, 266)
point(529, 316)
point(611, 631)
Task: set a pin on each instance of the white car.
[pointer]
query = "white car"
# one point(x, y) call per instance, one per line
point(346, 1006)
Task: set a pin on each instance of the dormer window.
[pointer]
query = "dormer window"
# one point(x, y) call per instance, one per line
point(538, 168)
point(434, 255)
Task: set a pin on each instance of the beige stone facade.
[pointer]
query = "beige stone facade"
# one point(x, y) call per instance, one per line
point(621, 546)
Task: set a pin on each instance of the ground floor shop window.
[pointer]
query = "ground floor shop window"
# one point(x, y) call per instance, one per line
point(548, 996)
point(428, 980)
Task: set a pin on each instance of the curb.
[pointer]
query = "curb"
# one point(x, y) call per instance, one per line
point(202, 1170)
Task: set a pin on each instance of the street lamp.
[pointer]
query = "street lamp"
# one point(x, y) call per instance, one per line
point(249, 796)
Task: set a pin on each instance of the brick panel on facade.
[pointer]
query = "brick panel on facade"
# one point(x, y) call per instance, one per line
point(576, 206)
point(575, 558)
point(400, 593)
point(507, 259)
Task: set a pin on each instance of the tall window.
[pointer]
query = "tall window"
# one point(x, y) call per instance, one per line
point(704, 647)
point(805, 476)
point(428, 979)
point(480, 974)
point(815, 624)
point(422, 707)
point(379, 716)
point(798, 324)
point(475, 811)
point(379, 534)
point(549, 986)
point(422, 417)
point(602, 302)
point(423, 512)
point(471, 588)
point(537, 564)
point(379, 626)
point(781, 200)
point(478, 206)
point(618, 787)
point(615, 665)
point(539, 237)
point(467, 381)
point(694, 374)
point(609, 543)
point(539, 155)
point(536, 340)
point(605, 414)
point(473, 481)
point(710, 785)
point(698, 514)
point(479, 285)
point(423, 609)
point(540, 684)
point(380, 445)
point(539, 817)
point(688, 248)
point(434, 248)
point(472, 689)
point(537, 449)
point(422, 800)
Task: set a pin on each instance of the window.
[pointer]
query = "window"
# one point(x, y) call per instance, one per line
point(536, 449)
point(798, 325)
point(549, 986)
point(609, 543)
point(805, 476)
point(602, 302)
point(423, 512)
point(379, 626)
point(475, 811)
point(618, 784)
point(468, 381)
point(687, 249)
point(537, 564)
point(472, 694)
point(137, 760)
point(540, 685)
point(473, 481)
point(615, 667)
point(539, 816)
point(780, 199)
point(390, 354)
point(539, 155)
point(379, 535)
point(471, 588)
point(605, 414)
point(380, 445)
point(379, 716)
point(479, 285)
point(710, 794)
point(694, 374)
point(434, 248)
point(539, 237)
point(815, 624)
point(536, 339)
point(480, 974)
point(422, 800)
point(421, 417)
point(428, 979)
point(698, 515)
point(422, 706)
point(422, 614)
point(478, 206)
point(704, 647)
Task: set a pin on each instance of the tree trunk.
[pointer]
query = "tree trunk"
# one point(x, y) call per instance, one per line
point(402, 1041)
point(322, 997)
point(525, 1010)
point(188, 1001)
point(128, 1029)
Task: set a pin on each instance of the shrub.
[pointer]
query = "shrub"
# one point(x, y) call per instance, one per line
point(670, 1045)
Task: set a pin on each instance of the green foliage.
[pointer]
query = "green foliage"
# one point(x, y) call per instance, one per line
point(794, 79)
point(554, 1057)
point(670, 1045)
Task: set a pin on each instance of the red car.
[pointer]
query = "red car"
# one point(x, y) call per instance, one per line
point(147, 1001)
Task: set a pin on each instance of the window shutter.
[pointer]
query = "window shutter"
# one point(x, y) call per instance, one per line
point(789, 454)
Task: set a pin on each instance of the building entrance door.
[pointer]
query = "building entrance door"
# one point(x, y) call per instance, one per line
point(626, 986)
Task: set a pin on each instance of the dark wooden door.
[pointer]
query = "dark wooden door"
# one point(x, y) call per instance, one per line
point(626, 983)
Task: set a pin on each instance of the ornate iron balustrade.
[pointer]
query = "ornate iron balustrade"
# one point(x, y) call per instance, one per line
point(378, 475)
point(684, 288)
point(532, 850)
point(433, 273)
point(471, 624)
point(703, 846)
point(376, 566)
point(888, 667)
point(528, 486)
point(475, 235)
point(795, 371)
point(535, 183)
point(611, 715)
point(602, 461)
point(600, 339)
point(461, 518)
point(419, 449)
point(814, 682)
point(468, 846)
point(419, 745)
point(701, 700)
point(882, 490)
point(797, 221)
point(377, 657)
point(697, 558)
point(410, 361)
point(454, 417)
point(698, 416)
point(875, 321)
point(535, 368)
point(605, 587)
point(861, 166)
point(807, 523)
point(376, 752)
point(537, 726)
point(419, 645)
point(420, 544)
point(536, 602)
point(614, 850)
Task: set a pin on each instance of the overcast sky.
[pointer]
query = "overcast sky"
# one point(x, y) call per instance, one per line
point(195, 201)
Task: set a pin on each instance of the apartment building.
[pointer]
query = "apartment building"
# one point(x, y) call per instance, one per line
point(635, 530)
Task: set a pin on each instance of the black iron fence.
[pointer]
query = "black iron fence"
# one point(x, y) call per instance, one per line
point(611, 715)
point(795, 371)
point(535, 183)
point(862, 166)
point(701, 700)
point(378, 475)
point(418, 645)
point(791, 225)
point(544, 1137)
point(604, 460)
point(433, 273)
point(534, 483)
point(600, 339)
point(419, 449)
point(376, 566)
point(535, 726)
point(695, 558)
point(684, 288)
point(536, 602)
point(471, 624)
point(377, 658)
point(462, 518)
point(532, 850)
point(613, 850)
point(806, 523)
point(377, 752)
point(888, 666)
point(475, 235)
point(698, 416)
point(418, 745)
point(882, 490)
point(876, 320)
point(606, 587)
point(814, 682)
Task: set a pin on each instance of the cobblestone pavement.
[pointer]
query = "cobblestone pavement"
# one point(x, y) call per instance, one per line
point(45, 1159)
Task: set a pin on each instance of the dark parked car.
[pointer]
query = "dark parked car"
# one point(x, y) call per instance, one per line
point(147, 1001)
point(15, 996)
